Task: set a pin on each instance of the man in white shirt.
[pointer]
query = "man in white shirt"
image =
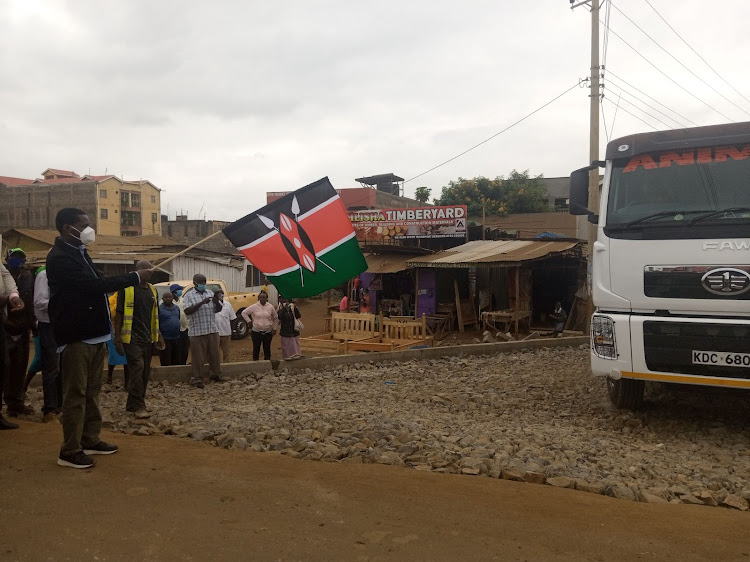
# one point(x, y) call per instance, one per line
point(225, 320)
point(51, 380)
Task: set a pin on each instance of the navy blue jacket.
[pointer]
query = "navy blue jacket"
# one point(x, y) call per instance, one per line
point(78, 307)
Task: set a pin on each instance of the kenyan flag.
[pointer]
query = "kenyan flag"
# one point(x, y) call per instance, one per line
point(304, 242)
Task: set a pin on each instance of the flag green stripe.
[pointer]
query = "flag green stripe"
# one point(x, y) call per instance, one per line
point(347, 261)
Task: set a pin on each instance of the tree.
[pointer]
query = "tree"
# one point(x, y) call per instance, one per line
point(519, 193)
point(422, 194)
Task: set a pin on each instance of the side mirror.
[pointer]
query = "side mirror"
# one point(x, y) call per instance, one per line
point(579, 193)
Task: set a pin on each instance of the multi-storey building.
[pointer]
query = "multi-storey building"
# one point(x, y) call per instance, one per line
point(115, 207)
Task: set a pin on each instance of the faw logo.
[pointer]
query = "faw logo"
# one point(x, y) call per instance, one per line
point(686, 158)
point(726, 245)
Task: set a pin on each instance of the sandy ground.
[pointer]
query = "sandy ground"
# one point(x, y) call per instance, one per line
point(162, 498)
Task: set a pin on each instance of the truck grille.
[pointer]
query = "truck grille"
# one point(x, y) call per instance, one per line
point(668, 346)
point(687, 282)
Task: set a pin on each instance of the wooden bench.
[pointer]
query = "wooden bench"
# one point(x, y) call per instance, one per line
point(395, 334)
point(344, 328)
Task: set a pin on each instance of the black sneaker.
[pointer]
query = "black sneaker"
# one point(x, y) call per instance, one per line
point(218, 379)
point(76, 460)
point(101, 448)
point(197, 383)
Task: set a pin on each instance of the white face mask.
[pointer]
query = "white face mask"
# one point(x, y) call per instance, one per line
point(86, 236)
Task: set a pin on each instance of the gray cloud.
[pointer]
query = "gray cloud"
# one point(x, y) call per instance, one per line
point(218, 103)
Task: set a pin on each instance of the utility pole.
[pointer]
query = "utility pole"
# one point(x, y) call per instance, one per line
point(593, 203)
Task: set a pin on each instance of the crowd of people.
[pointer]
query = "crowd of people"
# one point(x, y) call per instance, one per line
point(77, 317)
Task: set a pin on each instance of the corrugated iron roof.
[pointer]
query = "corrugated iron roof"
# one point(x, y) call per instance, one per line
point(387, 263)
point(487, 252)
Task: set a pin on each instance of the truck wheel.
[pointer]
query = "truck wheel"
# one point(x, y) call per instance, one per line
point(625, 393)
point(240, 329)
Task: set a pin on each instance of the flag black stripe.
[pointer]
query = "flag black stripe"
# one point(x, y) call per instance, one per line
point(250, 227)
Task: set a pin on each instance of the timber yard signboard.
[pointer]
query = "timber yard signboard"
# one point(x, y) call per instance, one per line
point(445, 221)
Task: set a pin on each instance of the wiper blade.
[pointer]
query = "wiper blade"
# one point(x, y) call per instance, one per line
point(721, 212)
point(653, 216)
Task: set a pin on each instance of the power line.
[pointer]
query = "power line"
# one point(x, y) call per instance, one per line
point(605, 45)
point(647, 113)
point(604, 118)
point(696, 53)
point(634, 115)
point(496, 134)
point(678, 61)
point(669, 77)
point(645, 103)
point(651, 98)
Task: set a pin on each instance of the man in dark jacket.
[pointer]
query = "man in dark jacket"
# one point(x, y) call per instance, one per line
point(79, 313)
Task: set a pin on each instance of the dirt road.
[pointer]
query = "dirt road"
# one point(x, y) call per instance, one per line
point(162, 498)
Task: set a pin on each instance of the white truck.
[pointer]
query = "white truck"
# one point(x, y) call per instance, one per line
point(671, 261)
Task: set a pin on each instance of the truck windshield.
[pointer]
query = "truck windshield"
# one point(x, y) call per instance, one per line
point(678, 187)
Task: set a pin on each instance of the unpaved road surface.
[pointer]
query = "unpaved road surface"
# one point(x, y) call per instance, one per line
point(164, 498)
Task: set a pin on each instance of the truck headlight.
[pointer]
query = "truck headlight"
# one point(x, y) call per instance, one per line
point(603, 337)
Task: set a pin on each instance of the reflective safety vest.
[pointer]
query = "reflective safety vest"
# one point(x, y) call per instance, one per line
point(127, 315)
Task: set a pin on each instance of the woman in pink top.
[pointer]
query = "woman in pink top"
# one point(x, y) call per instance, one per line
point(262, 320)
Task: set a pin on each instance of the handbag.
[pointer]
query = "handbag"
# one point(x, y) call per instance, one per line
point(298, 325)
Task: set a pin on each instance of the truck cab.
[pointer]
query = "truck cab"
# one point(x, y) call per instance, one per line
point(671, 262)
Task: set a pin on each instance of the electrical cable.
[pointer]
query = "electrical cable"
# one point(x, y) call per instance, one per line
point(678, 61)
point(619, 87)
point(496, 134)
point(604, 118)
point(652, 98)
point(696, 52)
point(669, 77)
point(634, 115)
point(605, 44)
point(647, 113)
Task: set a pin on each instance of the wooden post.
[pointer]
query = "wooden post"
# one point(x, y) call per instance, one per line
point(518, 297)
point(459, 315)
point(416, 291)
point(178, 254)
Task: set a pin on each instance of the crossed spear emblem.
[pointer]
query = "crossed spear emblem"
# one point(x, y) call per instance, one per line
point(296, 240)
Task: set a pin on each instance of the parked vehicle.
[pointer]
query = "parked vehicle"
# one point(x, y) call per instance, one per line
point(239, 301)
point(671, 261)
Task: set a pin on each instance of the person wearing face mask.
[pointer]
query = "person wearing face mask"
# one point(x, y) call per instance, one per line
point(184, 344)
point(262, 319)
point(170, 316)
point(18, 326)
point(203, 332)
point(79, 313)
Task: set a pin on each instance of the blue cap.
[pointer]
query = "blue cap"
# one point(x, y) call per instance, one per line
point(175, 287)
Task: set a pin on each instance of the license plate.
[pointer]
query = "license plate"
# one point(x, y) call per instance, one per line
point(721, 358)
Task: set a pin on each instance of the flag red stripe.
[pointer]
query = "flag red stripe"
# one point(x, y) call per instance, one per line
point(325, 227)
point(270, 256)
point(328, 225)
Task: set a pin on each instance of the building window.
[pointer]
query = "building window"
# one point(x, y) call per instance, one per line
point(103, 213)
point(135, 200)
point(102, 194)
point(125, 199)
point(153, 217)
point(254, 277)
point(153, 198)
point(130, 218)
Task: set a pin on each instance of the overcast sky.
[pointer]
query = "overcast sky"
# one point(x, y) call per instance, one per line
point(219, 102)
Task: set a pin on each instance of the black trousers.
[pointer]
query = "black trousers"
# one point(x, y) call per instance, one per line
point(263, 338)
point(184, 348)
point(170, 355)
